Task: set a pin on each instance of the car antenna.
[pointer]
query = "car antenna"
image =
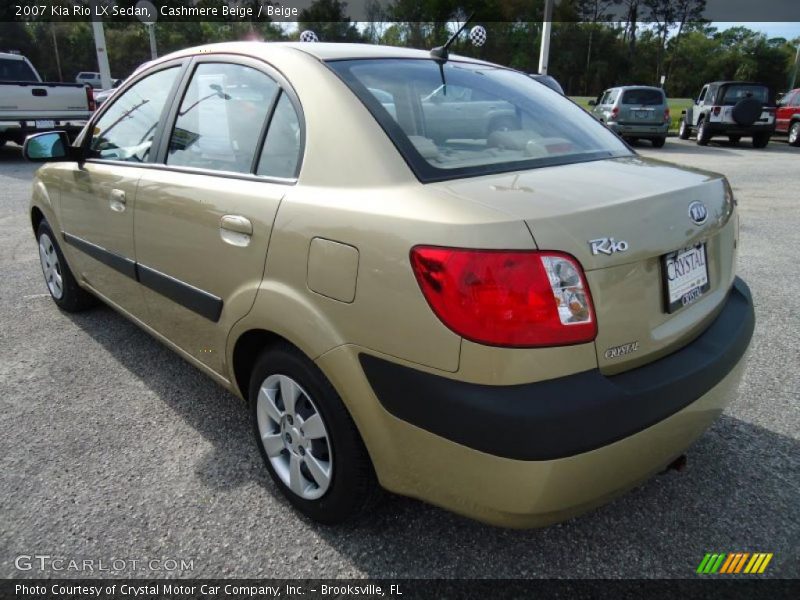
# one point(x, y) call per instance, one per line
point(440, 53)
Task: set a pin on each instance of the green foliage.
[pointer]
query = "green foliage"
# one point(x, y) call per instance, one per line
point(586, 57)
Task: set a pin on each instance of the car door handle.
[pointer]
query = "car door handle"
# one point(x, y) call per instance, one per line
point(117, 200)
point(235, 230)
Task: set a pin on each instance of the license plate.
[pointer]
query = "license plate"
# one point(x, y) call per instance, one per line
point(685, 276)
point(641, 114)
point(45, 124)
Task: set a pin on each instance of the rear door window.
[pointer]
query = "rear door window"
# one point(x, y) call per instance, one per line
point(281, 153)
point(643, 97)
point(735, 93)
point(15, 70)
point(221, 118)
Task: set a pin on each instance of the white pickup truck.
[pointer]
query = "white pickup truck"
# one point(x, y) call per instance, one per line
point(28, 105)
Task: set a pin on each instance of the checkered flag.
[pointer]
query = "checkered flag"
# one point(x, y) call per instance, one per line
point(308, 36)
point(477, 35)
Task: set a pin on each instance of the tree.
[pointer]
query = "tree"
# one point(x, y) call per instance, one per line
point(327, 19)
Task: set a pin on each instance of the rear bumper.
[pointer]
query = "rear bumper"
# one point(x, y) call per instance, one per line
point(570, 415)
point(412, 460)
point(731, 129)
point(640, 130)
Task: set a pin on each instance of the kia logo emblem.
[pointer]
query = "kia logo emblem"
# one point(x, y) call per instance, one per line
point(698, 212)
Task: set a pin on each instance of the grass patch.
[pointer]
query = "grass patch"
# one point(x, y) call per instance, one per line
point(676, 105)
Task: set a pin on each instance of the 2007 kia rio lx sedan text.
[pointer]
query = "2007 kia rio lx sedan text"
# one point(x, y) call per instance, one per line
point(438, 275)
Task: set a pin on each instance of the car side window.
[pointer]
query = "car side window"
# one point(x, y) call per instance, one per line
point(612, 96)
point(125, 131)
point(281, 152)
point(701, 96)
point(221, 117)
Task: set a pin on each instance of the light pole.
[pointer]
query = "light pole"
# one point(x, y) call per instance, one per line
point(547, 25)
point(149, 21)
point(100, 47)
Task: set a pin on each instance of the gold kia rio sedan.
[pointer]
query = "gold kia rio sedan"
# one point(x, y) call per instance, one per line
point(426, 272)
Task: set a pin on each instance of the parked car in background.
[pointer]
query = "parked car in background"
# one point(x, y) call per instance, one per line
point(89, 78)
point(549, 81)
point(103, 95)
point(28, 105)
point(735, 109)
point(635, 112)
point(787, 116)
point(476, 318)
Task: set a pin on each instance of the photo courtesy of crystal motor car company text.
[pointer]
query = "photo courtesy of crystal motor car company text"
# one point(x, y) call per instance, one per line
point(463, 307)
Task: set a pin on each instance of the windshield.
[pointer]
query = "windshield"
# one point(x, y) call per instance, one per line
point(471, 119)
point(16, 70)
point(734, 93)
point(643, 97)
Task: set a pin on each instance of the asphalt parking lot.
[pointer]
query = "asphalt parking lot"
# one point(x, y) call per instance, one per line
point(111, 446)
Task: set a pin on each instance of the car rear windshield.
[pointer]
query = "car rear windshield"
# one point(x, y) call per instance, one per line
point(733, 93)
point(643, 97)
point(463, 119)
point(16, 70)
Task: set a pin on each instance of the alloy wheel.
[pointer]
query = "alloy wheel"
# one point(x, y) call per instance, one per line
point(51, 266)
point(794, 134)
point(294, 436)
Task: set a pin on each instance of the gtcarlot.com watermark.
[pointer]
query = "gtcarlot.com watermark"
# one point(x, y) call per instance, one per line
point(60, 564)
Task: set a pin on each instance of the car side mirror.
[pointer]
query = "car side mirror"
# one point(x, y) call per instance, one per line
point(592, 102)
point(49, 146)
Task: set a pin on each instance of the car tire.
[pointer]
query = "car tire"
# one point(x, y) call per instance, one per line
point(703, 135)
point(61, 283)
point(326, 474)
point(760, 140)
point(794, 134)
point(659, 142)
point(684, 132)
point(734, 139)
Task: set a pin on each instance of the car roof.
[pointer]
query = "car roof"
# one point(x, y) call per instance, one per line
point(320, 50)
point(638, 87)
point(12, 56)
point(732, 82)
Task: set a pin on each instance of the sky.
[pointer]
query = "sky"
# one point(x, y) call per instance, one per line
point(788, 30)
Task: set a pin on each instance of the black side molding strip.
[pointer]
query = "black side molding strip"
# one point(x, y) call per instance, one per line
point(195, 299)
point(119, 263)
point(563, 417)
point(188, 296)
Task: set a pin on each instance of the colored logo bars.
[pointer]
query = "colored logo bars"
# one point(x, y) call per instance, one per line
point(734, 562)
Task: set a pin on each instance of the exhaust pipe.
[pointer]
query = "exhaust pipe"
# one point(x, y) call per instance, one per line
point(679, 464)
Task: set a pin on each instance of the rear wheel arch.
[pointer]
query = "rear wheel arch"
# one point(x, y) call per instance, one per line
point(246, 350)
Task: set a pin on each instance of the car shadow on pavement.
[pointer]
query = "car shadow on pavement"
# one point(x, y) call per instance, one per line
point(216, 414)
point(734, 495)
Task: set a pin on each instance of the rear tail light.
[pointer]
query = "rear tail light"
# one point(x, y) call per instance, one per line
point(615, 112)
point(666, 115)
point(90, 98)
point(507, 298)
point(717, 110)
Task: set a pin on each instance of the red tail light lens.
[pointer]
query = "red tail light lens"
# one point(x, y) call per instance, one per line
point(90, 98)
point(507, 298)
point(717, 110)
point(614, 112)
point(666, 115)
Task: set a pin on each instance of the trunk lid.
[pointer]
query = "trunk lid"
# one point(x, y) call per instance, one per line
point(644, 203)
